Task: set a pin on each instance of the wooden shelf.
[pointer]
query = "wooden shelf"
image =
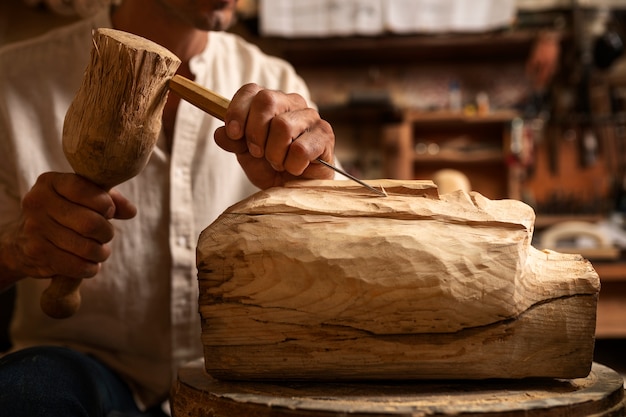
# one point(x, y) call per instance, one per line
point(476, 145)
point(370, 114)
point(493, 46)
point(498, 45)
point(444, 116)
point(469, 158)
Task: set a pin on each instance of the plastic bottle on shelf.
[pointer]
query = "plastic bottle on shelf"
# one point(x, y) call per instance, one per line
point(454, 96)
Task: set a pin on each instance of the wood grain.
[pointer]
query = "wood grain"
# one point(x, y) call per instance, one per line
point(321, 281)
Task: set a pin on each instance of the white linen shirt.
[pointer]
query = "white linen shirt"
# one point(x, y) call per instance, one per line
point(140, 314)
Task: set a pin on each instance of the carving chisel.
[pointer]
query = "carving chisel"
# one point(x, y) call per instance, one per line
point(216, 106)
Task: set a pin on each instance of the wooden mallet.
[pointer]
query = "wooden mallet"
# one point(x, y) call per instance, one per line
point(112, 126)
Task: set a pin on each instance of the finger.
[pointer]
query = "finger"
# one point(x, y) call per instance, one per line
point(318, 171)
point(77, 245)
point(74, 267)
point(230, 145)
point(124, 209)
point(81, 232)
point(265, 107)
point(67, 265)
point(253, 109)
point(81, 220)
point(60, 201)
point(81, 191)
point(316, 142)
point(44, 258)
point(237, 112)
point(286, 128)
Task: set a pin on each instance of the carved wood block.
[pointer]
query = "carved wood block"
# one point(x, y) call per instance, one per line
point(324, 281)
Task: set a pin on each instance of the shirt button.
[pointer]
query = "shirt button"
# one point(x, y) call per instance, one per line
point(180, 173)
point(183, 241)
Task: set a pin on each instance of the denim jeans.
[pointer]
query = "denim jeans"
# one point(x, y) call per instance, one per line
point(51, 381)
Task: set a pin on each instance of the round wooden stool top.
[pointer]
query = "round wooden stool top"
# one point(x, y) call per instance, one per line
point(197, 394)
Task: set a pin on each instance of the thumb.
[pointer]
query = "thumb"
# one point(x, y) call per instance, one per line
point(124, 209)
point(236, 146)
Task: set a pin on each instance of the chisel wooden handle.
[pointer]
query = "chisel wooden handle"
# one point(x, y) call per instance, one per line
point(204, 99)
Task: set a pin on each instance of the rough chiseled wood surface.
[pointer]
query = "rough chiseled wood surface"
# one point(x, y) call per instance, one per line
point(114, 121)
point(327, 281)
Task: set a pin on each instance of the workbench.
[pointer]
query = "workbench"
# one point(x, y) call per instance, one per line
point(198, 394)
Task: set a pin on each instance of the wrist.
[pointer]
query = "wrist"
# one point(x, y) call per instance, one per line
point(10, 272)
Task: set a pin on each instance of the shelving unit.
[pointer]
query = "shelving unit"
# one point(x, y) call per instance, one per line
point(358, 50)
point(477, 145)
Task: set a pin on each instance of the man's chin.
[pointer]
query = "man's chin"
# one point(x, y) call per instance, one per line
point(217, 21)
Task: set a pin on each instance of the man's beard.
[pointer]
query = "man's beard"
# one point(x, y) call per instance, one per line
point(219, 21)
point(215, 20)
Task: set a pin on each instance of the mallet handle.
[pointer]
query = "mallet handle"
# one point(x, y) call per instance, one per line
point(204, 99)
point(62, 297)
